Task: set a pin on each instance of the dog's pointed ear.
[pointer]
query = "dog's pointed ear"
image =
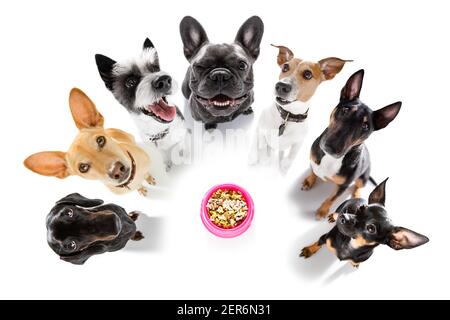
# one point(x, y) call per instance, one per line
point(48, 163)
point(193, 36)
point(148, 44)
point(149, 52)
point(402, 238)
point(81, 257)
point(83, 110)
point(284, 54)
point(378, 195)
point(352, 88)
point(250, 35)
point(330, 67)
point(382, 117)
point(105, 67)
point(78, 200)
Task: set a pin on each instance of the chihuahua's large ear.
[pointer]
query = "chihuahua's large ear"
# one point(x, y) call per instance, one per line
point(378, 195)
point(284, 54)
point(330, 67)
point(250, 35)
point(382, 117)
point(82, 256)
point(83, 110)
point(78, 200)
point(402, 238)
point(352, 88)
point(193, 36)
point(48, 163)
point(105, 67)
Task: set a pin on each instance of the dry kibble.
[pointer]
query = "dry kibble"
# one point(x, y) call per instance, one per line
point(227, 208)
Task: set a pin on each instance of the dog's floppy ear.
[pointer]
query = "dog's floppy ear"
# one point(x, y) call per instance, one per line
point(250, 35)
point(193, 36)
point(352, 88)
point(82, 256)
point(83, 110)
point(105, 67)
point(382, 117)
point(284, 54)
point(378, 195)
point(402, 238)
point(48, 163)
point(330, 67)
point(79, 200)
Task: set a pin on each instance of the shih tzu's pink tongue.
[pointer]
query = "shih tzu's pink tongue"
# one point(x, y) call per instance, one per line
point(163, 110)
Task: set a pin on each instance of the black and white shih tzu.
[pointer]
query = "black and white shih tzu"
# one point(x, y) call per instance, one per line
point(144, 90)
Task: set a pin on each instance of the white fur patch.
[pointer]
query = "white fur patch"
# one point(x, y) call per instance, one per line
point(328, 168)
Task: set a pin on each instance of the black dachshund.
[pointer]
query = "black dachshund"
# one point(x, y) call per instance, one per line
point(78, 228)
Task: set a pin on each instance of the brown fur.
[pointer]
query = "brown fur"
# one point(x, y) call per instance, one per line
point(84, 149)
point(309, 182)
point(309, 251)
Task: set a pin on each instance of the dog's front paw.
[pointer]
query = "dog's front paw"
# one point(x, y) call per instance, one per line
point(307, 185)
point(354, 264)
point(210, 126)
point(248, 111)
point(137, 236)
point(134, 215)
point(143, 191)
point(322, 212)
point(306, 253)
point(332, 217)
point(150, 180)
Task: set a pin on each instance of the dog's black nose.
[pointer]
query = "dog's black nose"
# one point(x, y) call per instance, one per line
point(162, 83)
point(118, 171)
point(283, 88)
point(220, 75)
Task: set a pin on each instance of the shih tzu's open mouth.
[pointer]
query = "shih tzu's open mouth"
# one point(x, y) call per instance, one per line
point(161, 110)
point(221, 101)
point(282, 101)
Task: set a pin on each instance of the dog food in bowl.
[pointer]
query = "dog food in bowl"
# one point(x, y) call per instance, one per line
point(227, 210)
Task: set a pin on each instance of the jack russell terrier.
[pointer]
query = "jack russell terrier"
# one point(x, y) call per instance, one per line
point(283, 126)
point(108, 155)
point(144, 90)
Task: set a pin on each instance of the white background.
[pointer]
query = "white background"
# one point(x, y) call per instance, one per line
point(48, 47)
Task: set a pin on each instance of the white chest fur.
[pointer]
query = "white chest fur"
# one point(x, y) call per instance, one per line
point(328, 167)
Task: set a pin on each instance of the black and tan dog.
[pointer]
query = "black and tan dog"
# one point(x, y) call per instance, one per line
point(361, 227)
point(339, 155)
point(78, 228)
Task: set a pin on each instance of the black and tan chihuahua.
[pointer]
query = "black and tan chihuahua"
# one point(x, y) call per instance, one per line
point(361, 227)
point(339, 154)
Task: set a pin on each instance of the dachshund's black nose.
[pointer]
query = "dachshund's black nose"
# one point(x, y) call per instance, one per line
point(162, 83)
point(282, 88)
point(118, 171)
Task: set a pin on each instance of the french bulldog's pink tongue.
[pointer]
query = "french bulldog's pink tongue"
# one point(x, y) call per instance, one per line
point(163, 110)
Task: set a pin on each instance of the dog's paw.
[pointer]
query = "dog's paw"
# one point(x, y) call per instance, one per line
point(321, 213)
point(306, 253)
point(210, 126)
point(354, 264)
point(332, 218)
point(248, 111)
point(143, 191)
point(137, 236)
point(306, 185)
point(150, 180)
point(134, 215)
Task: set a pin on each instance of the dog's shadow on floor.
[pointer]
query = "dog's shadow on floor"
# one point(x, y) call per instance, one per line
point(309, 201)
point(152, 229)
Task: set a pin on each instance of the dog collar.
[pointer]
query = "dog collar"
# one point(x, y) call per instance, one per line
point(156, 137)
point(289, 117)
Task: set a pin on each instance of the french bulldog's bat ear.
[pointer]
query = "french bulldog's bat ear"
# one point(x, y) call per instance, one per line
point(83, 110)
point(250, 35)
point(105, 67)
point(352, 88)
point(382, 117)
point(79, 200)
point(330, 67)
point(193, 36)
point(284, 54)
point(378, 195)
point(48, 163)
point(82, 256)
point(402, 238)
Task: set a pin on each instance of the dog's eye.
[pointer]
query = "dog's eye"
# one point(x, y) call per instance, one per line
point(371, 228)
point(365, 126)
point(69, 213)
point(72, 245)
point(345, 110)
point(101, 141)
point(307, 75)
point(243, 66)
point(285, 67)
point(84, 167)
point(130, 82)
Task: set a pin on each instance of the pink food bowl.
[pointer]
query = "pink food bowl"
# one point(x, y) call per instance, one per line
point(231, 232)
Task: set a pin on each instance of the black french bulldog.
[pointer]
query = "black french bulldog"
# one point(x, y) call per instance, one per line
point(219, 80)
point(78, 228)
point(361, 227)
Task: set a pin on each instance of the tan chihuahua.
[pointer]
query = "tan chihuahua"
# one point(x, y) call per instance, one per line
point(109, 155)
